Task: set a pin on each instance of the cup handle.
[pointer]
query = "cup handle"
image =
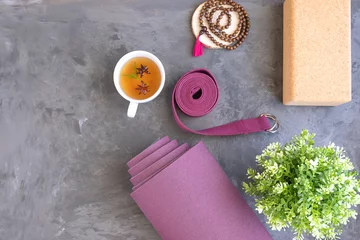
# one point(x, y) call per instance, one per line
point(132, 109)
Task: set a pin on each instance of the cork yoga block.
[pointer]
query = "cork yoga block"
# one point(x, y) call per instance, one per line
point(317, 52)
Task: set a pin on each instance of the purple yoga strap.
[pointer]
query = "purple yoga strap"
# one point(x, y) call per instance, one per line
point(196, 94)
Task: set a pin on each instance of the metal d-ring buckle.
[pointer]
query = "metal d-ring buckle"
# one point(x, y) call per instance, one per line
point(276, 125)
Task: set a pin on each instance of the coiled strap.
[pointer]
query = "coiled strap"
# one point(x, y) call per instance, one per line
point(197, 93)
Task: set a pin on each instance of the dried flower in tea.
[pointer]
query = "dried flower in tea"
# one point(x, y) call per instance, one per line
point(143, 88)
point(141, 70)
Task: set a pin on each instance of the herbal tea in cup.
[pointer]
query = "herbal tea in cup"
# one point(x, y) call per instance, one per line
point(139, 77)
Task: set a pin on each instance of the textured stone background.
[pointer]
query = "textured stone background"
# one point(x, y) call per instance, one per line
point(64, 134)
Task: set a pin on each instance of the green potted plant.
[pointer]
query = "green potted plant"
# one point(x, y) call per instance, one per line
point(310, 189)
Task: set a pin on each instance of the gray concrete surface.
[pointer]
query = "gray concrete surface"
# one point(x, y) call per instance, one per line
point(64, 134)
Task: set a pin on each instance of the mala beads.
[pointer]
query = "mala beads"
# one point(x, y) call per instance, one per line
point(225, 7)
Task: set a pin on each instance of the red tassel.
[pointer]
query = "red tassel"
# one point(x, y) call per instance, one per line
point(198, 48)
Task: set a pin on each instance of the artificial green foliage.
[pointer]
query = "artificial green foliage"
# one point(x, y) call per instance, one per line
point(307, 188)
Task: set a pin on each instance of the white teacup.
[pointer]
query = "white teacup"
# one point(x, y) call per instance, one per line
point(133, 102)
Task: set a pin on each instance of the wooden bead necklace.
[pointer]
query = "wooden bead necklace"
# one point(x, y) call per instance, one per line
point(234, 39)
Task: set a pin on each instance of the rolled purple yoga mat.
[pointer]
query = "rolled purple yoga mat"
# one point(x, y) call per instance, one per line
point(152, 148)
point(186, 195)
point(158, 165)
point(153, 157)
